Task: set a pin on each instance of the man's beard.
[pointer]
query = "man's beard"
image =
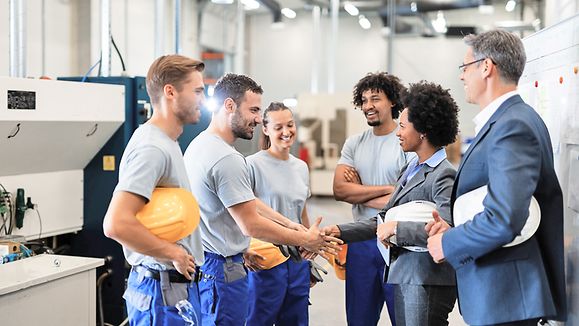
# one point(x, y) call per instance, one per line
point(238, 129)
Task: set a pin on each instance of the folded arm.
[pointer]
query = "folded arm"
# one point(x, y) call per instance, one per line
point(355, 193)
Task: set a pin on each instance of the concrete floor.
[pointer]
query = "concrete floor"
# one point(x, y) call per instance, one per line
point(327, 298)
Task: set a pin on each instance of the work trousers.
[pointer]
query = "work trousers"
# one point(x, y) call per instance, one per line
point(280, 295)
point(366, 289)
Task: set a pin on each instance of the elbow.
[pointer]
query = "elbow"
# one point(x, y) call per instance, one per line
point(247, 230)
point(109, 229)
point(338, 195)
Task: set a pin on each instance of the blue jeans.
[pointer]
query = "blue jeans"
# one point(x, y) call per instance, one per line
point(280, 295)
point(145, 304)
point(366, 290)
point(223, 290)
point(423, 305)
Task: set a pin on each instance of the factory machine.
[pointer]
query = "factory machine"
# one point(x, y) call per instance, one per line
point(49, 132)
point(60, 147)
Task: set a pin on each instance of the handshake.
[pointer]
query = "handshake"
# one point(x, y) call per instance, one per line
point(320, 241)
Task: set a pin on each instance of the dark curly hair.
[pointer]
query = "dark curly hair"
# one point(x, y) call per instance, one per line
point(234, 86)
point(433, 112)
point(380, 81)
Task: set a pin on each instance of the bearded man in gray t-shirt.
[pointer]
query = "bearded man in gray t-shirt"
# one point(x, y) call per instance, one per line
point(230, 213)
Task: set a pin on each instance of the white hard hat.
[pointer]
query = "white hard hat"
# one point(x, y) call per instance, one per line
point(471, 203)
point(414, 211)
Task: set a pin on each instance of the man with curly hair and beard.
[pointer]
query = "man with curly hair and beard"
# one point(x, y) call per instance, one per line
point(424, 292)
point(369, 165)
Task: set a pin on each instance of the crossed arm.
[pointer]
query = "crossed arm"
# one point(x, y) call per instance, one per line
point(349, 188)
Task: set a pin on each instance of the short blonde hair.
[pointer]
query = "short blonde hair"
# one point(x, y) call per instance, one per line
point(171, 69)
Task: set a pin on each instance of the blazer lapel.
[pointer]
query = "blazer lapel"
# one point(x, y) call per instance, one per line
point(487, 127)
point(413, 183)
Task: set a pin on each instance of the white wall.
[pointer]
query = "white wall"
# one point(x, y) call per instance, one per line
point(281, 60)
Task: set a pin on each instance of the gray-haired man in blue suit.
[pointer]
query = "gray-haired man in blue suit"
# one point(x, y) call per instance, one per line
point(512, 154)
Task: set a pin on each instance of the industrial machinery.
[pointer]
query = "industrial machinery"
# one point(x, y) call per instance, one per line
point(49, 132)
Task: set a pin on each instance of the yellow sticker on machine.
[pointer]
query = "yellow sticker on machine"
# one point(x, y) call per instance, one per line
point(108, 162)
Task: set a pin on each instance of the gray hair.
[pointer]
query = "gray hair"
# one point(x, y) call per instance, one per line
point(505, 49)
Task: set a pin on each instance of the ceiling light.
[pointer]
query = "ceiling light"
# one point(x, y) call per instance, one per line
point(351, 9)
point(413, 7)
point(290, 102)
point(439, 24)
point(222, 2)
point(510, 6)
point(486, 9)
point(288, 13)
point(250, 4)
point(277, 25)
point(364, 22)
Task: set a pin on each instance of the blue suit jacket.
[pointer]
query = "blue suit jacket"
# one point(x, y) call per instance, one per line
point(512, 154)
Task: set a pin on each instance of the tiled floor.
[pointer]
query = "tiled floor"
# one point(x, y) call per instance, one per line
point(327, 298)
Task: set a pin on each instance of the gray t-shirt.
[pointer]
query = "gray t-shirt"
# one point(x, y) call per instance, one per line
point(378, 160)
point(219, 179)
point(283, 185)
point(152, 159)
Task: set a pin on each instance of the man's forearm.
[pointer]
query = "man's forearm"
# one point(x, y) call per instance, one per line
point(359, 194)
point(269, 213)
point(378, 202)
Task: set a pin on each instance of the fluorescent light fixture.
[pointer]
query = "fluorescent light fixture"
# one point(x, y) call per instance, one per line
point(486, 9)
point(439, 24)
point(364, 22)
point(289, 13)
point(222, 2)
point(277, 25)
point(290, 102)
point(413, 7)
point(250, 4)
point(351, 9)
point(510, 6)
point(211, 104)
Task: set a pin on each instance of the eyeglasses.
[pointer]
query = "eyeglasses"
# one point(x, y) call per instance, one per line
point(463, 66)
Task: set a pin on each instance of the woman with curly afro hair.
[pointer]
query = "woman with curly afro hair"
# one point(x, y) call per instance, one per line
point(424, 292)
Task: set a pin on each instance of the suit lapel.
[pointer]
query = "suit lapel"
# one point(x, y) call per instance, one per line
point(487, 127)
point(413, 183)
point(485, 130)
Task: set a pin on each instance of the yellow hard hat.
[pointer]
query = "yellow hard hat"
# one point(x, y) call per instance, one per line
point(171, 214)
point(272, 254)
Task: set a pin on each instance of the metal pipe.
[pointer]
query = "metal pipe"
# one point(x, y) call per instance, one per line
point(239, 60)
point(392, 26)
point(17, 51)
point(177, 20)
point(43, 36)
point(335, 10)
point(159, 28)
point(106, 38)
point(316, 49)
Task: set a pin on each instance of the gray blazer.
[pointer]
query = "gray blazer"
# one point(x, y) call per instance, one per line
point(429, 184)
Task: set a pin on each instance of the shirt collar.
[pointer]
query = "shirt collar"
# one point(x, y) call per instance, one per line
point(432, 161)
point(485, 114)
point(436, 158)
